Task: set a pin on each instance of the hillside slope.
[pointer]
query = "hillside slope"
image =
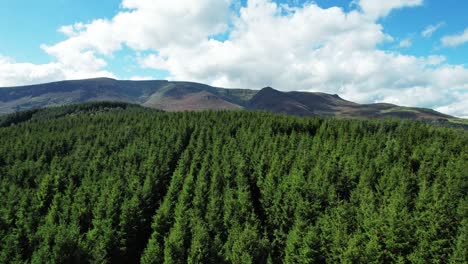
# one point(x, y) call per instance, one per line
point(188, 96)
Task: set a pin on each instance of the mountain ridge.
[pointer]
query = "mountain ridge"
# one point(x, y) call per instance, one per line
point(190, 96)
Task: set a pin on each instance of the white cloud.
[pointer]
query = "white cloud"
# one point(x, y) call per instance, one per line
point(381, 8)
point(405, 43)
point(455, 40)
point(290, 48)
point(147, 24)
point(14, 73)
point(71, 30)
point(431, 29)
point(458, 107)
point(141, 25)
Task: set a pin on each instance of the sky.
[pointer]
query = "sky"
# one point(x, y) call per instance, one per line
point(407, 52)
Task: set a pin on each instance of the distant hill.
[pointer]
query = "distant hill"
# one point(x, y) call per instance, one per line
point(188, 96)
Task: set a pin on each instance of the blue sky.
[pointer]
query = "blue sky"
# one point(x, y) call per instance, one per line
point(34, 50)
point(25, 25)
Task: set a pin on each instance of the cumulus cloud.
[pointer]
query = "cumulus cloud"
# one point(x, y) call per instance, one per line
point(268, 48)
point(14, 73)
point(431, 29)
point(146, 24)
point(301, 47)
point(140, 25)
point(455, 40)
point(457, 107)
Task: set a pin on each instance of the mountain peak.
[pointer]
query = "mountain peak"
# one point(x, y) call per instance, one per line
point(268, 88)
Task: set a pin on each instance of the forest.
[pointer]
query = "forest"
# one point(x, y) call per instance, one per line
point(116, 183)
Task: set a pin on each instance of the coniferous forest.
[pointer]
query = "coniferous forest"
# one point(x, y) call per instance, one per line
point(99, 183)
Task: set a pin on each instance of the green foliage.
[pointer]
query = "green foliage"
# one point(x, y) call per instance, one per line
point(61, 111)
point(113, 183)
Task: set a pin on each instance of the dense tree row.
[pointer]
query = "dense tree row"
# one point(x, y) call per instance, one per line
point(231, 187)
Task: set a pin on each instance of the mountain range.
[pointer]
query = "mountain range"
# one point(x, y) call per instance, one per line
point(189, 96)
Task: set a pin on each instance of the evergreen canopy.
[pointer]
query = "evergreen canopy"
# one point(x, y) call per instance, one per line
point(125, 184)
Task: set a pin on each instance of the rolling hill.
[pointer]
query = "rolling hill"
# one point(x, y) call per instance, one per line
point(189, 96)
